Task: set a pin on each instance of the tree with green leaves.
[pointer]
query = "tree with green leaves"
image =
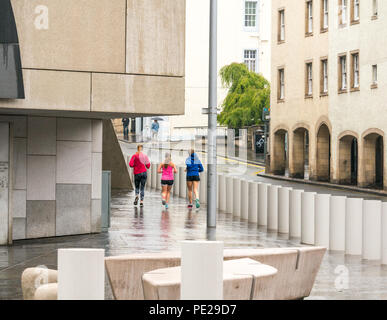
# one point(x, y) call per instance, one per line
point(248, 95)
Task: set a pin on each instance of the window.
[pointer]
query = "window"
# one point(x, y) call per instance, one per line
point(374, 76)
point(355, 72)
point(355, 11)
point(309, 18)
point(281, 84)
point(343, 73)
point(374, 9)
point(281, 25)
point(250, 60)
point(324, 15)
point(309, 80)
point(343, 12)
point(324, 76)
point(251, 14)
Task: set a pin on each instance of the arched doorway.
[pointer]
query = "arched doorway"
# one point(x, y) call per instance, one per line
point(280, 152)
point(323, 153)
point(348, 160)
point(373, 160)
point(300, 161)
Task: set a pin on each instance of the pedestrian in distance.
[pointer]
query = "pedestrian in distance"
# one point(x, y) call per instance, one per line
point(155, 130)
point(140, 164)
point(168, 170)
point(125, 124)
point(193, 168)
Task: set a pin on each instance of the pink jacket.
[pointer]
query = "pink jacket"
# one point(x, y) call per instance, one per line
point(140, 162)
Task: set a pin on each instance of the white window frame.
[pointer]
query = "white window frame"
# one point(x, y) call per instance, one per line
point(249, 59)
point(356, 10)
point(309, 73)
point(310, 16)
point(325, 75)
point(375, 74)
point(251, 28)
point(282, 25)
point(344, 73)
point(325, 14)
point(356, 71)
point(281, 73)
point(344, 12)
point(375, 8)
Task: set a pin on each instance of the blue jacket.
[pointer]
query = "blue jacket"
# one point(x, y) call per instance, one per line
point(194, 165)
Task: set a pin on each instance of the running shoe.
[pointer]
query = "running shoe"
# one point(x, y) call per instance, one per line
point(141, 203)
point(166, 206)
point(190, 206)
point(135, 201)
point(164, 202)
point(197, 204)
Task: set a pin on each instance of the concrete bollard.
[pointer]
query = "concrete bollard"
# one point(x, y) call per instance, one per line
point(253, 202)
point(353, 226)
point(149, 178)
point(244, 196)
point(158, 179)
point(154, 176)
point(176, 185)
point(307, 217)
point(283, 210)
point(262, 204)
point(201, 279)
point(237, 197)
point(384, 233)
point(229, 194)
point(183, 184)
point(337, 223)
point(222, 192)
point(81, 274)
point(321, 221)
point(372, 237)
point(203, 188)
point(272, 208)
point(295, 213)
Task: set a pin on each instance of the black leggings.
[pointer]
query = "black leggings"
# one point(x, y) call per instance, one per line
point(139, 182)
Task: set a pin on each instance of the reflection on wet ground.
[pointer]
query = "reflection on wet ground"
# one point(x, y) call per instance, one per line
point(152, 229)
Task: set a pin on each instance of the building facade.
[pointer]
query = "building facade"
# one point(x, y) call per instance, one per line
point(82, 62)
point(328, 96)
point(243, 36)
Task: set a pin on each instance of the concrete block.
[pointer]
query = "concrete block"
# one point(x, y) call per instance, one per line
point(41, 136)
point(222, 193)
point(308, 217)
point(20, 163)
point(321, 223)
point(244, 199)
point(203, 187)
point(295, 213)
point(253, 202)
point(19, 202)
point(158, 179)
point(272, 208)
point(337, 224)
point(19, 228)
point(237, 197)
point(72, 129)
point(154, 175)
point(40, 219)
point(283, 210)
point(96, 177)
point(262, 205)
point(74, 162)
point(229, 194)
point(176, 186)
point(97, 134)
point(372, 231)
point(73, 209)
point(96, 212)
point(41, 172)
point(183, 184)
point(353, 226)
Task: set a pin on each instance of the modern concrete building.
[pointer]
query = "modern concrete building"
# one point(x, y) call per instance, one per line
point(328, 116)
point(82, 62)
point(243, 36)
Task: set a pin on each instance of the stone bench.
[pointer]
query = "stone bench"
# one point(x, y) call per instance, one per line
point(297, 270)
point(243, 279)
point(39, 284)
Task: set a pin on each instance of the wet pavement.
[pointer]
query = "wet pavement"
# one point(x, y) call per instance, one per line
point(151, 229)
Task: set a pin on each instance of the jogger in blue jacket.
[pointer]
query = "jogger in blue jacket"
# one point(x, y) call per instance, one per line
point(194, 167)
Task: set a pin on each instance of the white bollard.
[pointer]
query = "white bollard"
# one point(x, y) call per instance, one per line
point(283, 210)
point(262, 204)
point(176, 185)
point(81, 274)
point(154, 176)
point(149, 178)
point(217, 192)
point(295, 213)
point(201, 279)
point(337, 223)
point(222, 193)
point(272, 208)
point(384, 233)
point(372, 238)
point(307, 217)
point(183, 184)
point(253, 203)
point(203, 188)
point(244, 199)
point(353, 226)
point(229, 194)
point(237, 197)
point(158, 179)
point(321, 221)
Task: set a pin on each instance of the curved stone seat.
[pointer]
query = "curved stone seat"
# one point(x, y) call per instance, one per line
point(47, 292)
point(243, 279)
point(33, 278)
